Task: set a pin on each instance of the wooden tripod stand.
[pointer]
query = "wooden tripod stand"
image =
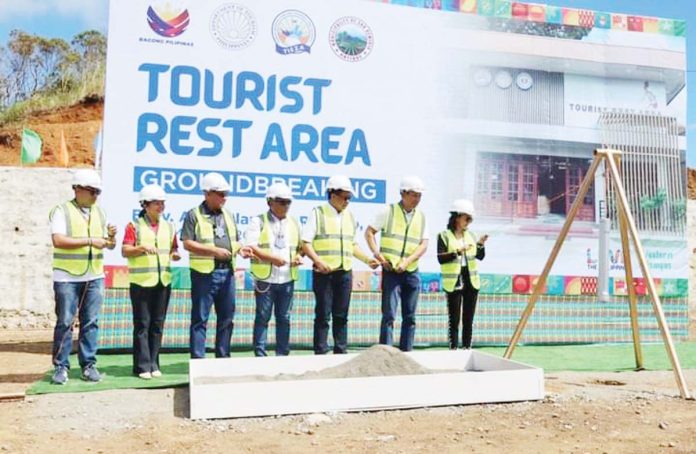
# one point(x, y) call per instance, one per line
point(627, 226)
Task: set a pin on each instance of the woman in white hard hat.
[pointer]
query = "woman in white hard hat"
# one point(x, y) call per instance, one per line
point(457, 251)
point(149, 245)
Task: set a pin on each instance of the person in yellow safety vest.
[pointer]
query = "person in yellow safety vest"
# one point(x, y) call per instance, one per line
point(210, 235)
point(328, 239)
point(457, 252)
point(403, 240)
point(79, 233)
point(150, 245)
point(274, 238)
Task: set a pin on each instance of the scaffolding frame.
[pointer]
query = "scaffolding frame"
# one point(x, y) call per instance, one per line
point(627, 229)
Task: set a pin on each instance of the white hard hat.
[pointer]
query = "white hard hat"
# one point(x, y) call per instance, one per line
point(463, 206)
point(412, 183)
point(87, 178)
point(152, 192)
point(279, 191)
point(215, 182)
point(340, 182)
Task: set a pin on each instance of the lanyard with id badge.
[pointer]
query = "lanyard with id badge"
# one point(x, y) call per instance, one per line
point(219, 226)
point(280, 242)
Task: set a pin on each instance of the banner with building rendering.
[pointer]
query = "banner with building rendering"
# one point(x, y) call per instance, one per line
point(500, 102)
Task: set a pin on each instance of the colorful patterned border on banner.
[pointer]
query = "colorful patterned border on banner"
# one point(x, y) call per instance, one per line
point(535, 12)
point(495, 284)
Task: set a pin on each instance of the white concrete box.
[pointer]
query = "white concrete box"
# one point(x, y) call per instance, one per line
point(242, 387)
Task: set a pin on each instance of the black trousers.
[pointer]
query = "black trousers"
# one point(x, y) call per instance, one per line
point(332, 293)
point(149, 312)
point(461, 305)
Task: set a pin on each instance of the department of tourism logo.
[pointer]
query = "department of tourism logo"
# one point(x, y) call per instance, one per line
point(168, 21)
point(293, 32)
point(233, 26)
point(351, 38)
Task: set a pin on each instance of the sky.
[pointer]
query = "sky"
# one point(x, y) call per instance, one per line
point(66, 18)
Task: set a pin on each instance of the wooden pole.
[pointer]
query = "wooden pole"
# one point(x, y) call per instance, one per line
point(657, 306)
point(538, 288)
point(628, 268)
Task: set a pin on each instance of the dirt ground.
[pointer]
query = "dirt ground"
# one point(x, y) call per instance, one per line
point(628, 412)
point(79, 123)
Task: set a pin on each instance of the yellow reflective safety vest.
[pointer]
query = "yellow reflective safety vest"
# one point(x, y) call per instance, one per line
point(334, 240)
point(400, 238)
point(78, 261)
point(205, 234)
point(451, 270)
point(147, 270)
point(262, 270)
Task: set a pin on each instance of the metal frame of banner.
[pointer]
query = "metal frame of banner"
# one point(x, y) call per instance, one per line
point(627, 226)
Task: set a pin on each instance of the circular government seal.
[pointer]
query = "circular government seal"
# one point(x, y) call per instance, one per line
point(233, 26)
point(293, 32)
point(351, 38)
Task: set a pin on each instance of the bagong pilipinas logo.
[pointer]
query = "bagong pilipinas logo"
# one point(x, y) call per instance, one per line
point(168, 21)
point(293, 32)
point(233, 26)
point(351, 39)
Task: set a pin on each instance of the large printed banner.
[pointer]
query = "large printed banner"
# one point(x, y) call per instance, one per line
point(297, 91)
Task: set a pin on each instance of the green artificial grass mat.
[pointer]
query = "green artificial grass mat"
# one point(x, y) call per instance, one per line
point(117, 373)
point(598, 357)
point(117, 369)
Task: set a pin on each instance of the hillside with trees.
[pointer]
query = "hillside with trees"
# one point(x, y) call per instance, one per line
point(52, 87)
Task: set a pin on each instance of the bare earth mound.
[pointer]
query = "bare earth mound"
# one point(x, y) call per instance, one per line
point(80, 124)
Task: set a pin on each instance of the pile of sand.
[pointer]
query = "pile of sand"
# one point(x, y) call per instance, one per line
point(376, 361)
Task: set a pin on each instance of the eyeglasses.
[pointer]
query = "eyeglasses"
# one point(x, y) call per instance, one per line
point(284, 202)
point(92, 191)
point(346, 196)
point(222, 194)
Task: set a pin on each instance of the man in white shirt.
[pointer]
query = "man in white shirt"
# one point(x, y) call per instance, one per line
point(79, 233)
point(274, 238)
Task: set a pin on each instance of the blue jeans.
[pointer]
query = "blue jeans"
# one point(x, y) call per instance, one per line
point(207, 289)
point(269, 297)
point(405, 287)
point(332, 294)
point(70, 297)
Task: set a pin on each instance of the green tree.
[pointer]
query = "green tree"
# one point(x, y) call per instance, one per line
point(53, 60)
point(90, 47)
point(22, 65)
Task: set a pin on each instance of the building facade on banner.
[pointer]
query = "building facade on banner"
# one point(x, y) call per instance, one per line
point(529, 100)
point(496, 101)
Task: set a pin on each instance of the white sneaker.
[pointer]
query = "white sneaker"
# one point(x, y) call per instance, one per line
point(156, 374)
point(145, 375)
